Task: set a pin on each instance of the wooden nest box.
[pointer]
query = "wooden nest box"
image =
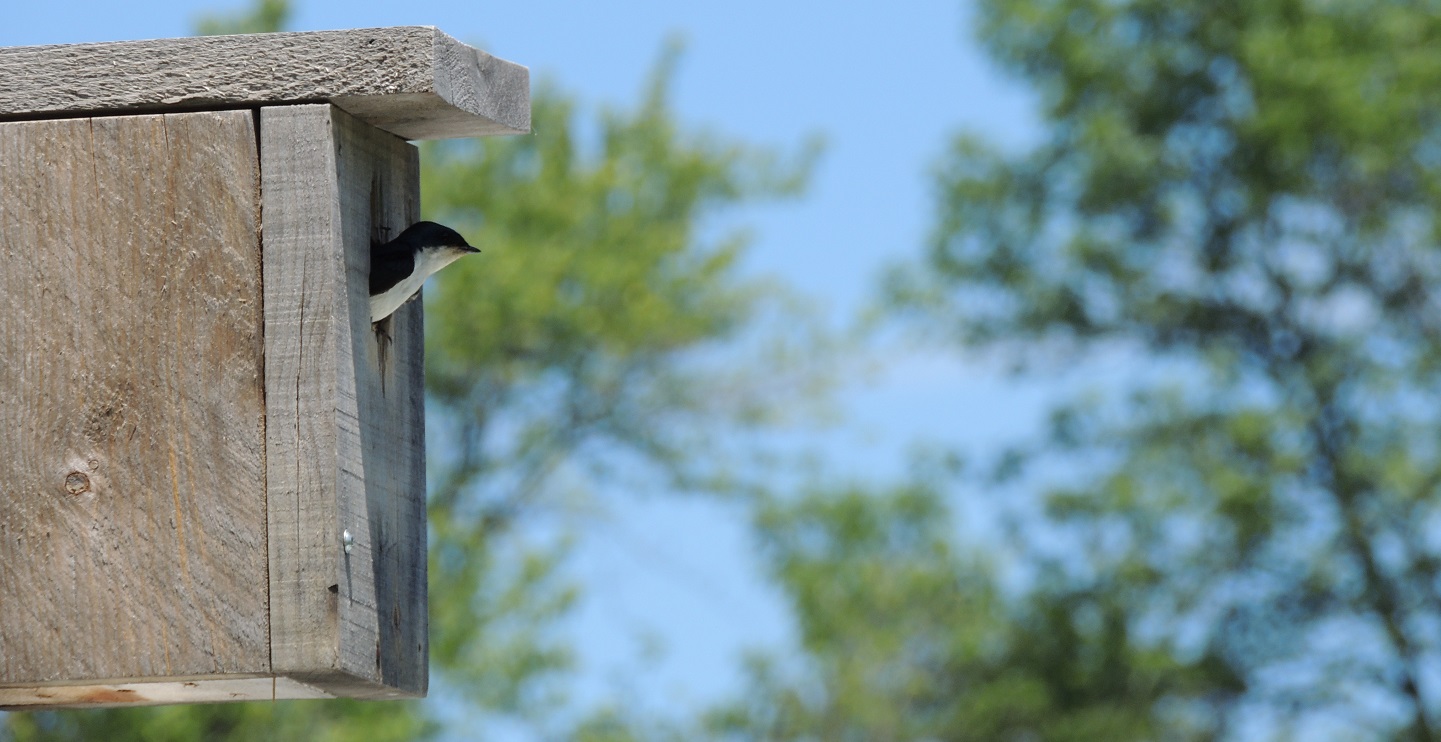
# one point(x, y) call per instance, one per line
point(212, 485)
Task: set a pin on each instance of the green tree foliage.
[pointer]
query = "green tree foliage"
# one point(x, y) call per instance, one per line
point(265, 16)
point(582, 323)
point(1240, 198)
point(568, 352)
point(904, 638)
point(323, 721)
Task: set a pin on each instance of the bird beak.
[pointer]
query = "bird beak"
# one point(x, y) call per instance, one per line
point(468, 248)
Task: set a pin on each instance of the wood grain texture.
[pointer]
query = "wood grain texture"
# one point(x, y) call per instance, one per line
point(386, 633)
point(346, 411)
point(304, 274)
point(413, 81)
point(132, 510)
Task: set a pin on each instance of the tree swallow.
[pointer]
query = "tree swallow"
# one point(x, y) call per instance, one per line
point(399, 267)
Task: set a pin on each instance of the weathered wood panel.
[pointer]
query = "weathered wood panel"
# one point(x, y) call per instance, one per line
point(346, 436)
point(385, 633)
point(132, 485)
point(413, 81)
point(304, 283)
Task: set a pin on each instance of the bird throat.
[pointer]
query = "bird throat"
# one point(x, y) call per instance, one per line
point(426, 263)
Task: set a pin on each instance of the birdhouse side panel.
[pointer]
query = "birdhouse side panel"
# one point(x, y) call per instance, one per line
point(346, 409)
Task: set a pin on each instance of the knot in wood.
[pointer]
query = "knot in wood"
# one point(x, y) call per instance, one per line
point(77, 483)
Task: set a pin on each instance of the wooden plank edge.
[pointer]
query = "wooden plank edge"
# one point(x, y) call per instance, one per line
point(157, 692)
point(446, 89)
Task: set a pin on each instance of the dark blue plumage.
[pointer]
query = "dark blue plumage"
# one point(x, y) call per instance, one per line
point(399, 267)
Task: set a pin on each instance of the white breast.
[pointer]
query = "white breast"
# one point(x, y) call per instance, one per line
point(427, 262)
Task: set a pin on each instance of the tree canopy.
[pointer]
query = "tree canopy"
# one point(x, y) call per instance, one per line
point(1239, 197)
point(572, 344)
point(1238, 538)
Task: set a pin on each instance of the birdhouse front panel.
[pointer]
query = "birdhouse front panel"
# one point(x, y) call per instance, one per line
point(132, 400)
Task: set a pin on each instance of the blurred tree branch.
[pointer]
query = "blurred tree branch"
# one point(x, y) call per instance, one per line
point(1242, 197)
point(264, 16)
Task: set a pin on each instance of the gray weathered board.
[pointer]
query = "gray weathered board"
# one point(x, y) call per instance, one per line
point(132, 401)
point(171, 440)
point(347, 436)
point(412, 81)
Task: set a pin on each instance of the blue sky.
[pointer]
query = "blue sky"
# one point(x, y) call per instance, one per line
point(885, 84)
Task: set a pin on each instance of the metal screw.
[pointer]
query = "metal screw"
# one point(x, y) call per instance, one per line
point(347, 539)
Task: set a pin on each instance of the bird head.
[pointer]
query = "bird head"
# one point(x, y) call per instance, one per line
point(437, 240)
